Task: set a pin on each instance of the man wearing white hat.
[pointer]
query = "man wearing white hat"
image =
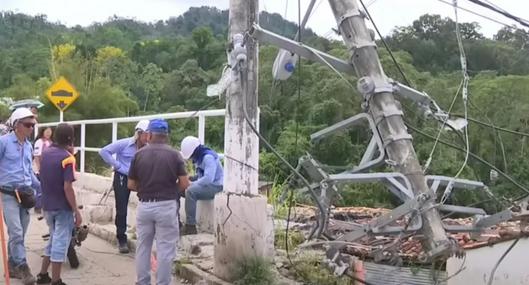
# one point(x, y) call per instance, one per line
point(17, 184)
point(208, 179)
point(124, 150)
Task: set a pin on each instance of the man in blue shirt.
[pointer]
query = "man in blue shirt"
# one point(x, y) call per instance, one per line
point(208, 179)
point(16, 175)
point(124, 150)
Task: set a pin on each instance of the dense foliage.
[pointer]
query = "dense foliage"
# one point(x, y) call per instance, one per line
point(125, 67)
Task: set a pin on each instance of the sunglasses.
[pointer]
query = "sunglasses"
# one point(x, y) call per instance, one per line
point(28, 125)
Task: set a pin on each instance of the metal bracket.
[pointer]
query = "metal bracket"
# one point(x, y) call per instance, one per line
point(381, 224)
point(367, 161)
point(397, 182)
point(300, 49)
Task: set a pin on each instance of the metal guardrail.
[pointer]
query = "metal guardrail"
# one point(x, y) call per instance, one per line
point(82, 148)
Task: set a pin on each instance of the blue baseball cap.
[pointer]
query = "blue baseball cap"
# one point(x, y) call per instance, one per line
point(158, 126)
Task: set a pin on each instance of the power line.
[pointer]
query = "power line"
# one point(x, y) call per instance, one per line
point(476, 157)
point(386, 45)
point(464, 93)
point(478, 14)
point(430, 157)
point(496, 9)
point(496, 135)
point(491, 278)
point(494, 126)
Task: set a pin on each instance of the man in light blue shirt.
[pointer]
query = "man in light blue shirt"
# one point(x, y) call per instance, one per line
point(124, 151)
point(16, 175)
point(207, 182)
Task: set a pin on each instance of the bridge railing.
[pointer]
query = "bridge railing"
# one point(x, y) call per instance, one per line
point(82, 148)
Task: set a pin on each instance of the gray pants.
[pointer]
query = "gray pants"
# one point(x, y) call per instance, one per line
point(156, 220)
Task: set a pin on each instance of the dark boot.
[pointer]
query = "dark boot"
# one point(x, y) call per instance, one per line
point(123, 247)
point(43, 278)
point(13, 271)
point(189, 230)
point(58, 282)
point(25, 275)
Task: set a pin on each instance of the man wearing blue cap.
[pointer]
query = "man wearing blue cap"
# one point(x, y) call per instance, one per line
point(157, 173)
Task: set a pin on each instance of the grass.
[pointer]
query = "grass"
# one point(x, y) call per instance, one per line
point(254, 270)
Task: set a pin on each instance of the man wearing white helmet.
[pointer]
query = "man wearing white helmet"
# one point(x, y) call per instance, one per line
point(208, 179)
point(124, 150)
point(17, 184)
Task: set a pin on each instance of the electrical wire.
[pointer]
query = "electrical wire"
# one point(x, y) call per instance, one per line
point(430, 157)
point(496, 135)
point(476, 157)
point(320, 224)
point(397, 65)
point(298, 81)
point(491, 278)
point(466, 79)
point(478, 14)
point(505, 130)
point(517, 19)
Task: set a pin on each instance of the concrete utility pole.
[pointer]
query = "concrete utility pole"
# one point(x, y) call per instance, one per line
point(382, 106)
point(243, 227)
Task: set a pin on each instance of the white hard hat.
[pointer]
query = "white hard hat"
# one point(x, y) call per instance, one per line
point(189, 144)
point(20, 113)
point(142, 125)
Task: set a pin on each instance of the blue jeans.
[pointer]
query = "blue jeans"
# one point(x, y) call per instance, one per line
point(61, 225)
point(156, 220)
point(197, 192)
point(122, 194)
point(17, 220)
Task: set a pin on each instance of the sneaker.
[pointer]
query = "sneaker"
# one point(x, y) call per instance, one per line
point(43, 278)
point(189, 230)
point(123, 247)
point(58, 282)
point(25, 275)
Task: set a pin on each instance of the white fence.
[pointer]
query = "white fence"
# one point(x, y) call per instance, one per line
point(82, 148)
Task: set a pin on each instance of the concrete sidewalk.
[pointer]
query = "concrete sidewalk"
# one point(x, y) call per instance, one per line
point(100, 262)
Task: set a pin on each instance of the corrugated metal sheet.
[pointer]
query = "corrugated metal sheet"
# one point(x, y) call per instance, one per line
point(379, 274)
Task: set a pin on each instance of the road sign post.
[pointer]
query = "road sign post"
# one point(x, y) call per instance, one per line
point(62, 94)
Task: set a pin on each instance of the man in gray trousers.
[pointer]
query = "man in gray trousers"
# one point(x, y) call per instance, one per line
point(157, 173)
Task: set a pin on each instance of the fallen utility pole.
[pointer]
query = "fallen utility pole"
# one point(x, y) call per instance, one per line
point(388, 117)
point(243, 226)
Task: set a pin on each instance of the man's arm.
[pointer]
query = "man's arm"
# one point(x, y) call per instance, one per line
point(132, 185)
point(210, 167)
point(68, 165)
point(70, 197)
point(35, 182)
point(183, 183)
point(132, 182)
point(113, 148)
point(37, 152)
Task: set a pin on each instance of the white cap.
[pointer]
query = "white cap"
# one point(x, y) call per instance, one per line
point(19, 114)
point(188, 146)
point(142, 125)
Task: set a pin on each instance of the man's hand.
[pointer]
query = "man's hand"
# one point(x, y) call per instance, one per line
point(78, 219)
point(132, 185)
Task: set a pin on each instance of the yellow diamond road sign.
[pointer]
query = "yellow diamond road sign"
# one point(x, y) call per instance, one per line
point(62, 94)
